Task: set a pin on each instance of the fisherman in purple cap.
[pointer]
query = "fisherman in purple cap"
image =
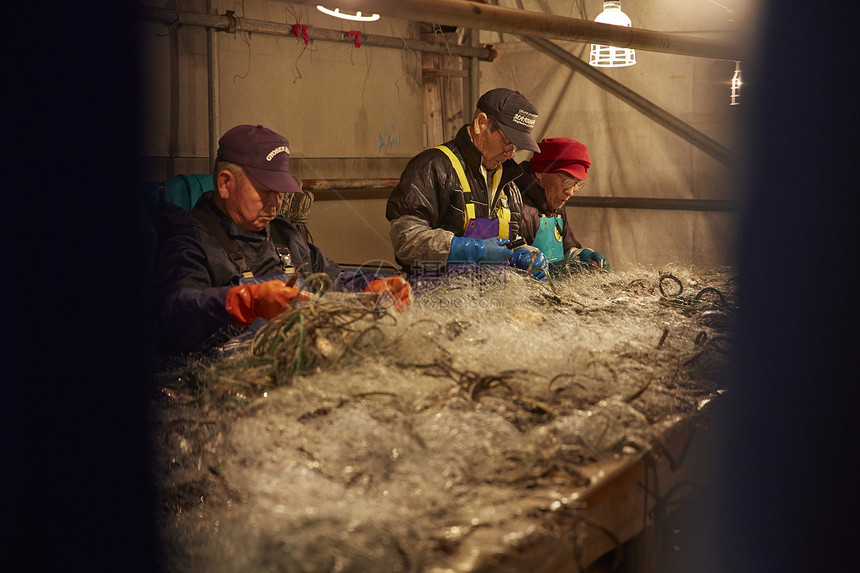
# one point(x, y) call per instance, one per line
point(233, 261)
point(551, 177)
point(457, 204)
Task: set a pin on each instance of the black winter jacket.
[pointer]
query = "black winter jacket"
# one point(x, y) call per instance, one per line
point(193, 272)
point(427, 208)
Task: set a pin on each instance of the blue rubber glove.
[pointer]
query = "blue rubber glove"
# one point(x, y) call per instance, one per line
point(466, 250)
point(523, 258)
point(594, 258)
point(571, 263)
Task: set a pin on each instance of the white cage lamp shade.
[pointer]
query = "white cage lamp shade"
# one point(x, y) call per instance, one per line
point(609, 56)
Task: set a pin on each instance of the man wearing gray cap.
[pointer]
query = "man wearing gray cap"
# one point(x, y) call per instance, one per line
point(457, 203)
point(231, 261)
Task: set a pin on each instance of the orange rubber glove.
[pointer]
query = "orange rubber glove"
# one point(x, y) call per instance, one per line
point(247, 303)
point(395, 286)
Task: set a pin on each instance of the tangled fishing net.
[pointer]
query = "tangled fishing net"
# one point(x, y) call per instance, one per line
point(348, 437)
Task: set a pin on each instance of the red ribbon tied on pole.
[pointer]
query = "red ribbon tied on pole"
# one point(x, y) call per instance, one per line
point(301, 31)
point(356, 35)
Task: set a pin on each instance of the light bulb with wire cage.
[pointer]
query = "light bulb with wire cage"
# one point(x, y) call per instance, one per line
point(609, 56)
point(736, 84)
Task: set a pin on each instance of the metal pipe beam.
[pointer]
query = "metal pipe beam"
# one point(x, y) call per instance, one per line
point(232, 23)
point(535, 24)
point(655, 203)
point(654, 112)
point(213, 61)
point(316, 185)
point(366, 189)
point(173, 133)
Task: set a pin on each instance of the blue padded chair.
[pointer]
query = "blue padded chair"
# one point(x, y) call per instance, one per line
point(184, 190)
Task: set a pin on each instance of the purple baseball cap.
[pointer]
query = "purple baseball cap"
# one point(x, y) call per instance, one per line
point(515, 115)
point(262, 153)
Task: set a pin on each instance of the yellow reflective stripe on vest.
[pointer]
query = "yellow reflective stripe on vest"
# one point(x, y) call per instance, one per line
point(464, 183)
point(503, 214)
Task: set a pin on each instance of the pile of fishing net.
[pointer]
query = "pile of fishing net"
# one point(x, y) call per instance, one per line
point(349, 437)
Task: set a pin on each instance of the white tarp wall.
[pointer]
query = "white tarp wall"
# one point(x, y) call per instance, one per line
point(632, 156)
point(357, 112)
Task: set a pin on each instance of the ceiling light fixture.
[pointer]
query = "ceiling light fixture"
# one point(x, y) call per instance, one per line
point(358, 17)
point(610, 56)
point(736, 84)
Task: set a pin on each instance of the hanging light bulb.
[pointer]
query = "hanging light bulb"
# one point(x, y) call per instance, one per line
point(338, 14)
point(736, 84)
point(610, 56)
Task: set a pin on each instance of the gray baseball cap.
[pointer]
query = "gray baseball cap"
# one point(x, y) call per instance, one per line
point(515, 115)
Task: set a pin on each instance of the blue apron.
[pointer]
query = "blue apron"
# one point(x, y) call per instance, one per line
point(549, 238)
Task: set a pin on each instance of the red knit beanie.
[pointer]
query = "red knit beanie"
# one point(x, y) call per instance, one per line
point(561, 154)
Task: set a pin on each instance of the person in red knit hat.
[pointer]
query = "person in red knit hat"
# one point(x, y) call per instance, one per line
point(550, 178)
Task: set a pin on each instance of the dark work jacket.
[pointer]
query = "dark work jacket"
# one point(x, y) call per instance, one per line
point(535, 206)
point(430, 192)
point(193, 272)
